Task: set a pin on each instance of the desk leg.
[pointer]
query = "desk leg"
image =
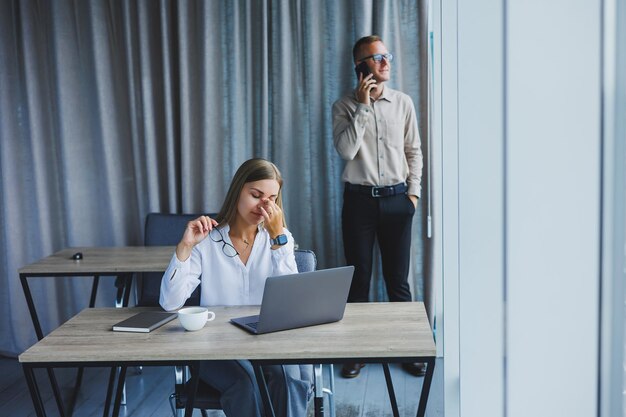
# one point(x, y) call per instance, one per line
point(110, 387)
point(192, 388)
point(118, 393)
point(128, 283)
point(57, 392)
point(34, 390)
point(94, 291)
point(121, 300)
point(430, 370)
point(392, 394)
point(79, 380)
point(31, 306)
point(79, 375)
point(39, 333)
point(265, 393)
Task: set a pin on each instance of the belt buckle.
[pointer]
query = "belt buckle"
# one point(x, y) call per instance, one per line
point(376, 191)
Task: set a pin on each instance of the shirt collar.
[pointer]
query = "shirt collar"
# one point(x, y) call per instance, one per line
point(386, 95)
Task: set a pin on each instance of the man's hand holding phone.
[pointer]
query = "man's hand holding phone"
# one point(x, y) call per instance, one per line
point(366, 83)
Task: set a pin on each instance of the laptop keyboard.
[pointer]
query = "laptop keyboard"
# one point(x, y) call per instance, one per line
point(253, 324)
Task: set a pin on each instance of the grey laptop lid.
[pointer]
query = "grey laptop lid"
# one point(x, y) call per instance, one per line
point(298, 300)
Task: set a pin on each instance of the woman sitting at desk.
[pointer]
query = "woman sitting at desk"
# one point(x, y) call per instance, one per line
point(248, 242)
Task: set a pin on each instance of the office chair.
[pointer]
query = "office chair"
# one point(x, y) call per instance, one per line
point(208, 398)
point(160, 230)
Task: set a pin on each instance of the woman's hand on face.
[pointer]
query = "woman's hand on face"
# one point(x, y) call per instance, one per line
point(273, 216)
point(195, 232)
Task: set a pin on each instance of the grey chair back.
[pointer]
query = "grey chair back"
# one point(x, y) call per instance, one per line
point(305, 260)
point(162, 230)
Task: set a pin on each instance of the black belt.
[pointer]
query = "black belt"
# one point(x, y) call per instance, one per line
point(385, 191)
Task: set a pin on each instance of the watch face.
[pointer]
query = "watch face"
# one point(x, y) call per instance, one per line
point(280, 240)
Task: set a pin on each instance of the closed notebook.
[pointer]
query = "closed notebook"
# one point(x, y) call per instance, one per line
point(144, 322)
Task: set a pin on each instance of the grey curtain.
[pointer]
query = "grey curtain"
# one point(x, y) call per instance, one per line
point(110, 110)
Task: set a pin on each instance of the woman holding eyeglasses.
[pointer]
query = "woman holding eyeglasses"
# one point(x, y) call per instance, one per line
point(231, 256)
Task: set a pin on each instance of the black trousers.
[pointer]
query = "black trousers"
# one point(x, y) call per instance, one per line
point(388, 219)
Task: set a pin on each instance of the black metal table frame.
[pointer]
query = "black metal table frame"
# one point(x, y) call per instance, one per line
point(33, 387)
point(193, 386)
point(123, 293)
point(384, 361)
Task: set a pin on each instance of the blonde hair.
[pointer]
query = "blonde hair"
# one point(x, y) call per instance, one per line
point(254, 169)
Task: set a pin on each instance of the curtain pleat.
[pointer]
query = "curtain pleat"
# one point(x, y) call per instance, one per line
point(110, 110)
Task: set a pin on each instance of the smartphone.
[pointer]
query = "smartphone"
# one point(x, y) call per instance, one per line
point(362, 68)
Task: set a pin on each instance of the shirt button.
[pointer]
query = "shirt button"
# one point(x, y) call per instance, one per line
point(382, 175)
point(380, 138)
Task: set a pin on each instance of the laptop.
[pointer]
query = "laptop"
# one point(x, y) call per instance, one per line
point(299, 300)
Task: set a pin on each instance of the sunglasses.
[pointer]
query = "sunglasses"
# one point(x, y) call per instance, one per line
point(379, 57)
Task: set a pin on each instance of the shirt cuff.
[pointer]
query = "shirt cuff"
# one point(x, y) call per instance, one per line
point(361, 111)
point(414, 190)
point(282, 251)
point(179, 267)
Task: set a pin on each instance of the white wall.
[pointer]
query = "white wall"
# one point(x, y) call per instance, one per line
point(481, 205)
point(553, 200)
point(521, 133)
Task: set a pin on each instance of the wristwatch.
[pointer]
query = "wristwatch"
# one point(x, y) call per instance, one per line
point(279, 240)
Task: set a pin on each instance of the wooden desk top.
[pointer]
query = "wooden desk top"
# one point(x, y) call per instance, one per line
point(103, 260)
point(368, 330)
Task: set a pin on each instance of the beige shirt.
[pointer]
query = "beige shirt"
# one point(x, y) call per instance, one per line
point(380, 142)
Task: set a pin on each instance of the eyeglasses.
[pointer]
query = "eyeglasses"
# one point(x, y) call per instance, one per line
point(379, 57)
point(228, 249)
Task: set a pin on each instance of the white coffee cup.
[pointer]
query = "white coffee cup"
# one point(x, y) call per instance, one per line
point(194, 318)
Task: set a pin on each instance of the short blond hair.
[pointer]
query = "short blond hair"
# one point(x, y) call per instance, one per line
point(365, 40)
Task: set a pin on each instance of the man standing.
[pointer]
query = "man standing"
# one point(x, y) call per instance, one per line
point(375, 131)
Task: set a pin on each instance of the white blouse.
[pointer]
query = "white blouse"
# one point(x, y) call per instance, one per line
point(226, 280)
